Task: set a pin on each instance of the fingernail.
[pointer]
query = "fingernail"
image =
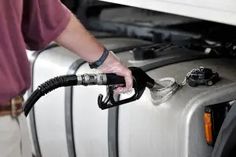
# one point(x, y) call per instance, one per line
point(126, 91)
point(129, 91)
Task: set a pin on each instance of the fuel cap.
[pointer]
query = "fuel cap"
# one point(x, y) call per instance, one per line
point(202, 76)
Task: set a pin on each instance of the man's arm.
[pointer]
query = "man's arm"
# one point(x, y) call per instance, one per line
point(78, 40)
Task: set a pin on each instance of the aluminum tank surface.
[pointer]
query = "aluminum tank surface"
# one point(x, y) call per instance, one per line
point(174, 128)
point(52, 111)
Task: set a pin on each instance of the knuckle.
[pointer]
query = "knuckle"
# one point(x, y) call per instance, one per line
point(128, 73)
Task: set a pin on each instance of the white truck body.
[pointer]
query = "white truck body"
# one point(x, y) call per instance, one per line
point(211, 10)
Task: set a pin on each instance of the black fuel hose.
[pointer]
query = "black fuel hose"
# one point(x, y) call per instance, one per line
point(48, 86)
point(71, 80)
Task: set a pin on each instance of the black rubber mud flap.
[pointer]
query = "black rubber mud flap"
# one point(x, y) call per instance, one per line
point(225, 145)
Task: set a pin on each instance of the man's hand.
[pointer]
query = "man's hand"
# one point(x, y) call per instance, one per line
point(78, 40)
point(113, 65)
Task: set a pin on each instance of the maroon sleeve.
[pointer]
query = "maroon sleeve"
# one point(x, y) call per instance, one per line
point(43, 21)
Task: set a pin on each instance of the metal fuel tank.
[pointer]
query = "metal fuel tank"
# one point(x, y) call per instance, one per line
point(50, 117)
point(174, 128)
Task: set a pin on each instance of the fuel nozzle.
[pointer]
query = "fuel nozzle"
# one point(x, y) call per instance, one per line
point(140, 81)
point(161, 91)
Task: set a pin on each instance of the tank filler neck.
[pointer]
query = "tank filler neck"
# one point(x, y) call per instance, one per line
point(169, 87)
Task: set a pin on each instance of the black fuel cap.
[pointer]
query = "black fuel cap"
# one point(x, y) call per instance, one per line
point(202, 76)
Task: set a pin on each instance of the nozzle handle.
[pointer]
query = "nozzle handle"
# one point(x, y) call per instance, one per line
point(140, 81)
